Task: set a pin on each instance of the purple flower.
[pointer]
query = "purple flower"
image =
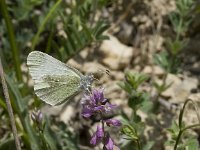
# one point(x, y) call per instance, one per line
point(37, 116)
point(99, 132)
point(97, 136)
point(98, 96)
point(109, 107)
point(113, 122)
point(95, 103)
point(94, 140)
point(87, 111)
point(109, 144)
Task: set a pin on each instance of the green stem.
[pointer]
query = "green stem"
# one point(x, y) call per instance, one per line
point(138, 144)
point(181, 132)
point(12, 39)
point(156, 102)
point(44, 142)
point(182, 111)
point(36, 37)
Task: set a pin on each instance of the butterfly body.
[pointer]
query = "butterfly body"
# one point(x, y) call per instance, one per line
point(54, 81)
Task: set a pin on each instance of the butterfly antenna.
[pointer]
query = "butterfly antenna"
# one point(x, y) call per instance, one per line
point(88, 91)
point(106, 71)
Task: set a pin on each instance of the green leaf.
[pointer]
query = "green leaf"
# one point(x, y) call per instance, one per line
point(125, 86)
point(99, 29)
point(129, 131)
point(77, 36)
point(87, 33)
point(174, 130)
point(50, 136)
point(161, 88)
point(146, 105)
point(135, 79)
point(161, 60)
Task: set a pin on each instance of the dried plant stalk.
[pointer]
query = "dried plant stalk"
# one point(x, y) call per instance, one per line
point(9, 107)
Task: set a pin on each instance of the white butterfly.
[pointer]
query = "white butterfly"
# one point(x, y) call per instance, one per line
point(54, 81)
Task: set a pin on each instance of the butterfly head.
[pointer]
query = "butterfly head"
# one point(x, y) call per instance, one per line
point(86, 82)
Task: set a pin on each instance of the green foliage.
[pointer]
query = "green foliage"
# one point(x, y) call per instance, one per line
point(133, 130)
point(67, 140)
point(47, 19)
point(79, 29)
point(36, 25)
point(161, 88)
point(11, 37)
point(137, 100)
point(132, 81)
point(65, 28)
point(180, 139)
point(171, 64)
point(131, 84)
point(180, 19)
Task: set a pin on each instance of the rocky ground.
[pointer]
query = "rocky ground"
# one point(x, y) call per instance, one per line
point(138, 31)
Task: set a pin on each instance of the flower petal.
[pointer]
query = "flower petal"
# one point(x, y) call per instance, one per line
point(109, 107)
point(97, 136)
point(87, 111)
point(109, 144)
point(93, 140)
point(113, 122)
point(99, 132)
point(98, 108)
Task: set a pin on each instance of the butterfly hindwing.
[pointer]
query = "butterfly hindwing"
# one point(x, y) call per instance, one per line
point(54, 81)
point(57, 89)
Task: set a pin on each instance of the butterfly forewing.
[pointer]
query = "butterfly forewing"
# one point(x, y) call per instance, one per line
point(54, 82)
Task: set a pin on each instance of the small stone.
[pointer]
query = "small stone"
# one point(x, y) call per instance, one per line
point(117, 55)
point(153, 69)
point(94, 67)
point(195, 97)
point(67, 114)
point(180, 89)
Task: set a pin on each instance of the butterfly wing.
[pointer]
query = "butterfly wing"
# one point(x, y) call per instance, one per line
point(54, 81)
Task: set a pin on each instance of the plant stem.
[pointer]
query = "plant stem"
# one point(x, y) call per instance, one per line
point(178, 139)
point(44, 143)
point(138, 144)
point(9, 107)
point(181, 132)
point(52, 10)
point(11, 36)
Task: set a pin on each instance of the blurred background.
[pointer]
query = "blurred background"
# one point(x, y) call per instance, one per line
point(150, 47)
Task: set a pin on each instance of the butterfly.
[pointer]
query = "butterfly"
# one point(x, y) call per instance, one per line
point(54, 81)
